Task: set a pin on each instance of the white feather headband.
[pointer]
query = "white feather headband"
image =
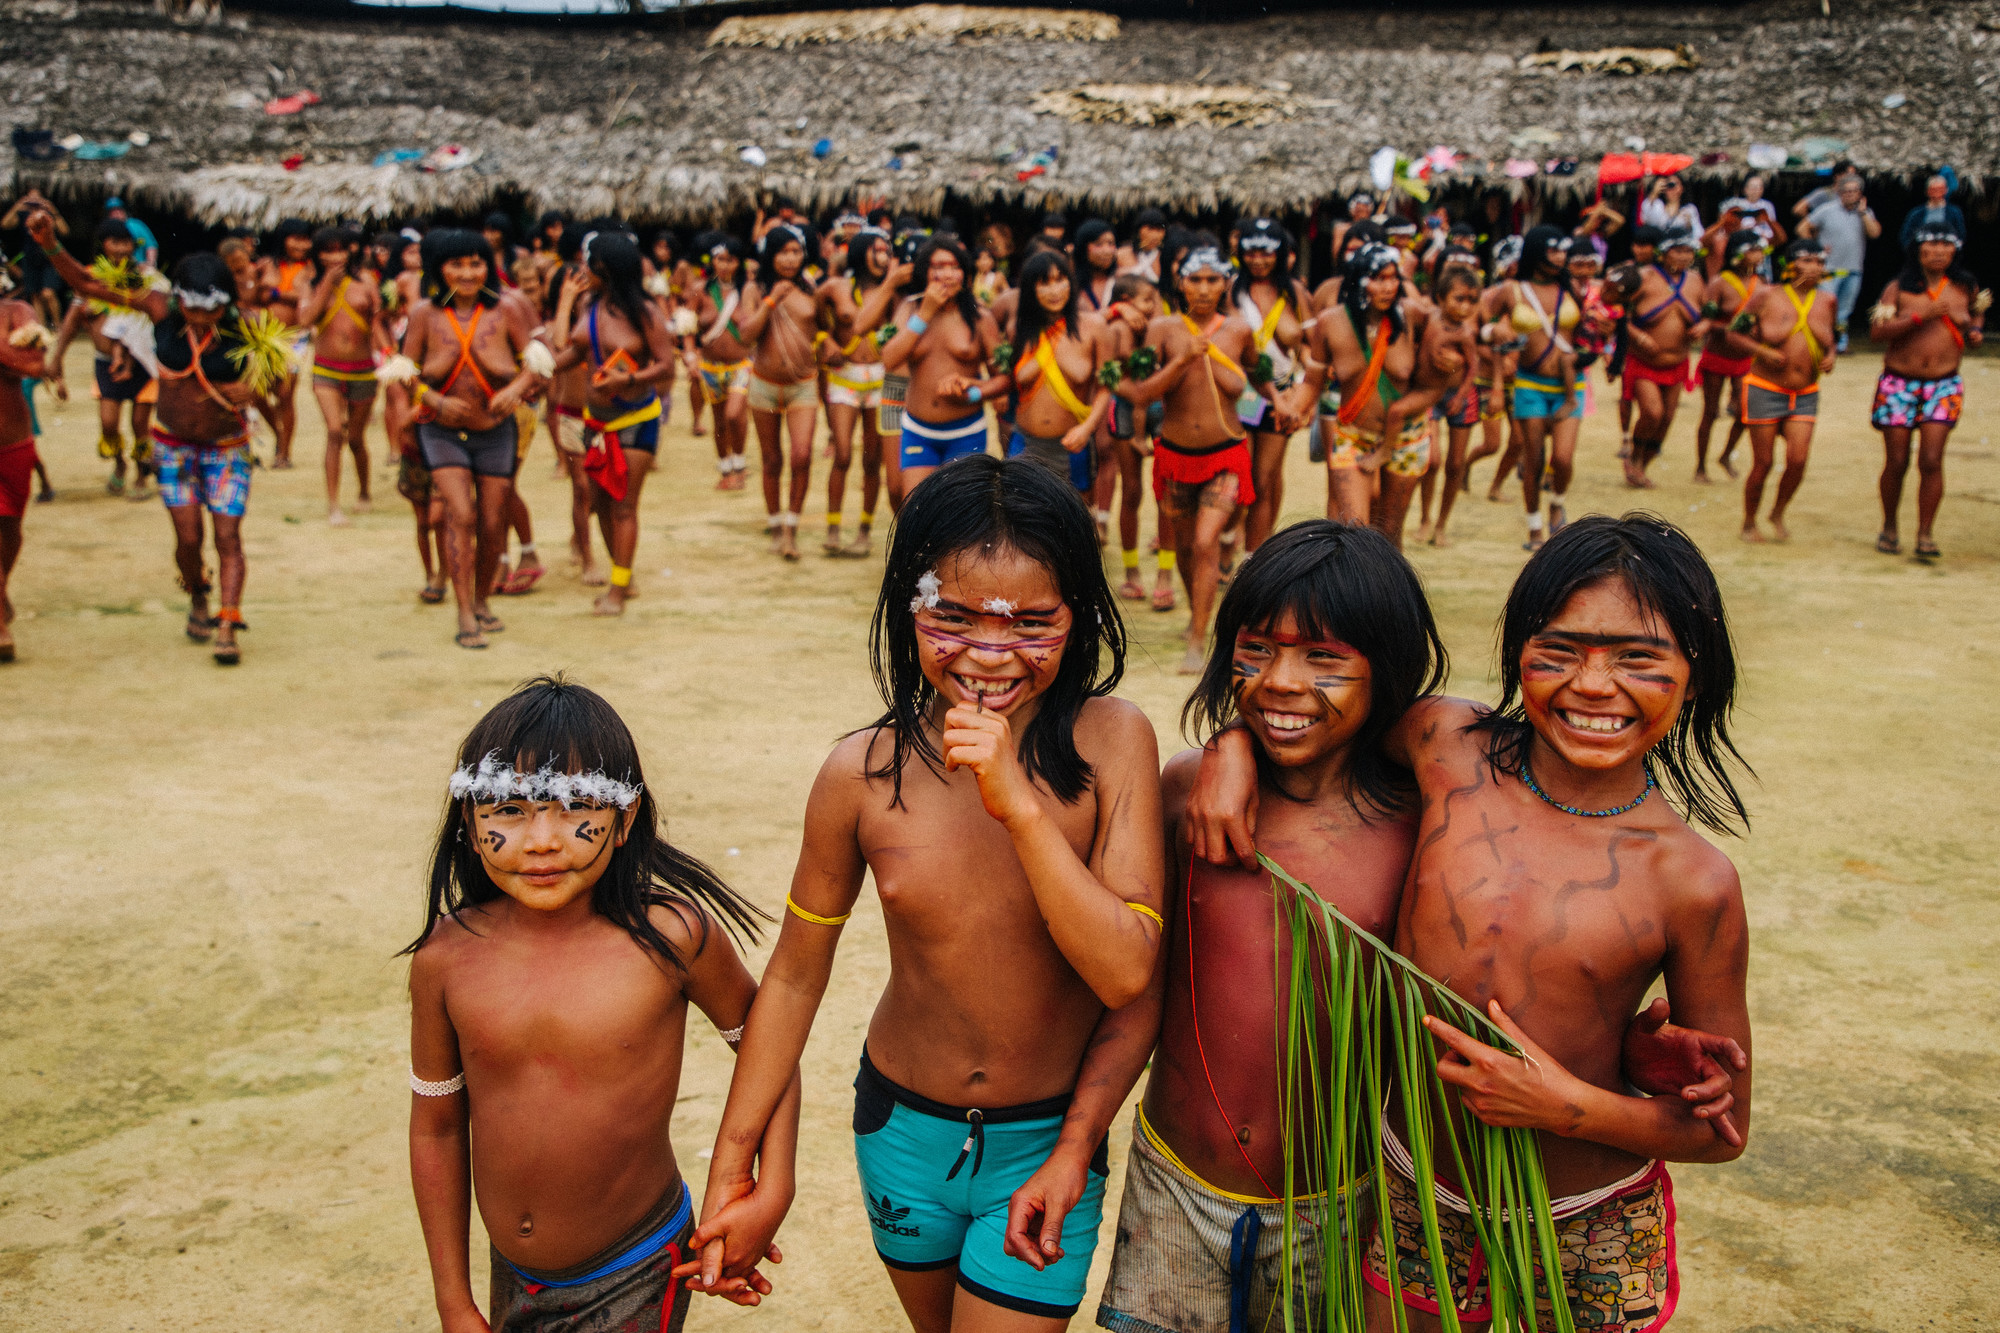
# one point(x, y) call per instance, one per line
point(495, 781)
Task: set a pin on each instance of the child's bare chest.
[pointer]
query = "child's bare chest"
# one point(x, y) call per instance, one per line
point(1505, 902)
point(579, 1013)
point(945, 870)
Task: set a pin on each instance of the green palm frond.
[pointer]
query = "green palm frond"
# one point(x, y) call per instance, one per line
point(1366, 1002)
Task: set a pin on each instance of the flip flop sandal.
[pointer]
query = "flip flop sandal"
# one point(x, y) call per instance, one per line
point(1163, 599)
point(200, 629)
point(1131, 592)
point(1927, 551)
point(1888, 545)
point(489, 624)
point(522, 581)
point(228, 655)
point(470, 638)
point(431, 596)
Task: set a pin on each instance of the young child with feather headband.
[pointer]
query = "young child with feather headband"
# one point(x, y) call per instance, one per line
point(563, 942)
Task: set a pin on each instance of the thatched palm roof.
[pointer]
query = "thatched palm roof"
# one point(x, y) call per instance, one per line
point(650, 121)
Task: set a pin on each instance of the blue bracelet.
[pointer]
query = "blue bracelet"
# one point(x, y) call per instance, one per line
point(917, 324)
point(974, 394)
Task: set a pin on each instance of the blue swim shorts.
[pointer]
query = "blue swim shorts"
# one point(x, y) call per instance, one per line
point(937, 1179)
point(935, 443)
point(1538, 399)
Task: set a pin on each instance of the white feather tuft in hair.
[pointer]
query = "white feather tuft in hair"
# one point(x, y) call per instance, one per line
point(657, 285)
point(539, 360)
point(927, 591)
point(997, 606)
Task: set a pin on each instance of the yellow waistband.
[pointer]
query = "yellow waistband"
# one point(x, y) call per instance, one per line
point(650, 412)
point(722, 367)
point(1159, 1146)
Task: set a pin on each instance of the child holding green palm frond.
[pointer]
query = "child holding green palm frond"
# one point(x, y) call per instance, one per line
point(1551, 885)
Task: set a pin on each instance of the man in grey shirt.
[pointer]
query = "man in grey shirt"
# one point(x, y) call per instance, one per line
point(1844, 226)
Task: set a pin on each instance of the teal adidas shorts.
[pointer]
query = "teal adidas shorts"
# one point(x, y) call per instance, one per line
point(937, 1179)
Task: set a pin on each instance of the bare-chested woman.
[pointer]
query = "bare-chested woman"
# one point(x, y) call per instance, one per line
point(1722, 373)
point(1366, 343)
point(944, 342)
point(347, 320)
point(1541, 307)
point(1274, 303)
point(18, 362)
point(784, 376)
point(468, 342)
point(1665, 325)
point(854, 384)
point(1929, 314)
point(623, 338)
point(1059, 403)
point(1201, 461)
point(1788, 328)
point(287, 275)
point(720, 358)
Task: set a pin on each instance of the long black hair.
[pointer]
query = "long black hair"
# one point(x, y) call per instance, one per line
point(1281, 268)
point(448, 243)
point(1029, 317)
point(980, 505)
point(1912, 280)
point(613, 257)
point(733, 245)
point(1669, 579)
point(856, 267)
point(1337, 581)
point(1086, 234)
point(1365, 263)
point(775, 240)
point(553, 721)
point(920, 277)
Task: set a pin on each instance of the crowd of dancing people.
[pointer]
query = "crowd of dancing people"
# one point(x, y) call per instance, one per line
point(1432, 346)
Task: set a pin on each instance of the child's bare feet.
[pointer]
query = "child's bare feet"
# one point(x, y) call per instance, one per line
point(1701, 476)
point(612, 603)
point(1779, 532)
point(1193, 663)
point(1439, 540)
point(1751, 533)
point(335, 518)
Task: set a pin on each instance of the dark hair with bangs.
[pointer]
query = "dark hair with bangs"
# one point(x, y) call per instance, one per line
point(551, 720)
point(920, 278)
point(613, 256)
point(448, 243)
point(1030, 319)
point(974, 506)
point(1340, 581)
point(1670, 579)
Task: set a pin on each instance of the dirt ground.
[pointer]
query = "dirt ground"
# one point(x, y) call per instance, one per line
point(202, 1018)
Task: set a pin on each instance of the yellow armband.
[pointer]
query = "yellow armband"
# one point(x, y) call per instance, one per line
point(1144, 910)
point(814, 917)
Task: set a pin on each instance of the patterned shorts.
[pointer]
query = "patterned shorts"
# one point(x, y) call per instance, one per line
point(1618, 1263)
point(1411, 456)
point(1907, 403)
point(718, 381)
point(218, 479)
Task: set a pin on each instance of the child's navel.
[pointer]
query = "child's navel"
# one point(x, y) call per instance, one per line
point(527, 1225)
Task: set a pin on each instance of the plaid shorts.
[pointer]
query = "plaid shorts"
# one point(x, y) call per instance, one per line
point(215, 476)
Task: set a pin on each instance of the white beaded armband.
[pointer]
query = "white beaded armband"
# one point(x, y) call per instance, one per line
point(424, 1087)
point(732, 1036)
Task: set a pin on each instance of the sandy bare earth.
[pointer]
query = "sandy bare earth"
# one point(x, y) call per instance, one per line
point(202, 1021)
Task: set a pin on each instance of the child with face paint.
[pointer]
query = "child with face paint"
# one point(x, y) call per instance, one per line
point(1549, 828)
point(564, 940)
point(1008, 809)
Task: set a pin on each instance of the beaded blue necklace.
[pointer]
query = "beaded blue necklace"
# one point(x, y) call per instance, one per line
point(1528, 776)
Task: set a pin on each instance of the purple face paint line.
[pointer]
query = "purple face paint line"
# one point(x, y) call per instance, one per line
point(1017, 646)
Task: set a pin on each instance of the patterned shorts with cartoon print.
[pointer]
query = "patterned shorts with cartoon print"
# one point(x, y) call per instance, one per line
point(1619, 1271)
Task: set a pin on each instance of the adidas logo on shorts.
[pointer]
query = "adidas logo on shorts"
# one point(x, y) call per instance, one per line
point(887, 1217)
